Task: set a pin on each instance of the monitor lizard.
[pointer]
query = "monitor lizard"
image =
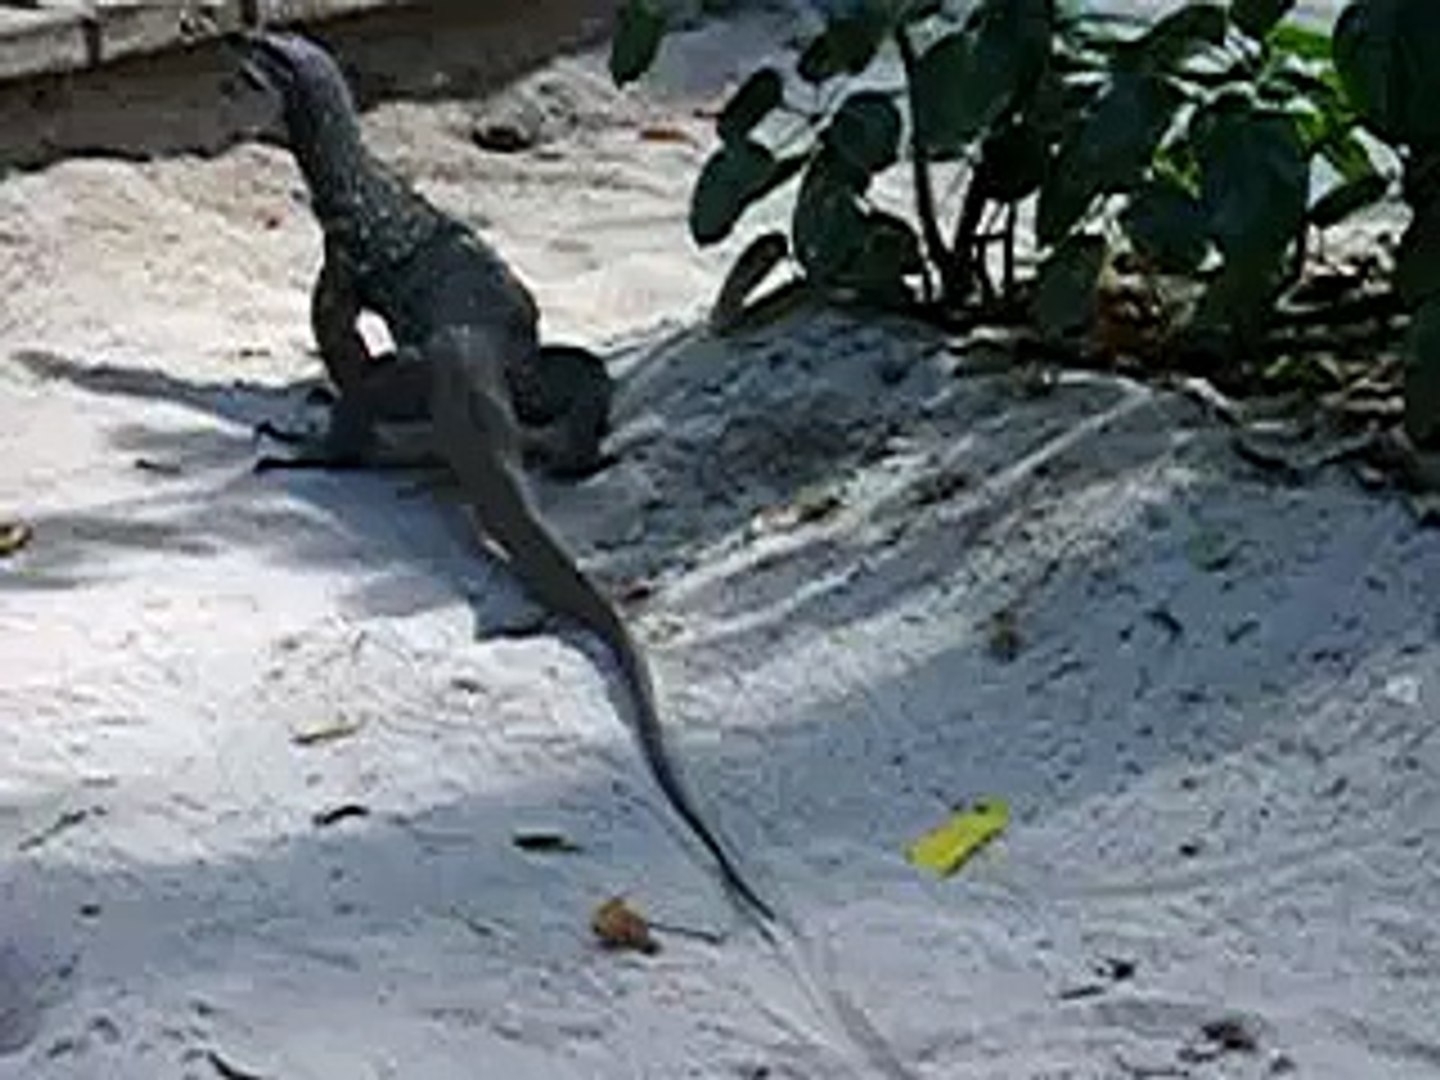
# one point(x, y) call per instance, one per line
point(466, 360)
point(388, 250)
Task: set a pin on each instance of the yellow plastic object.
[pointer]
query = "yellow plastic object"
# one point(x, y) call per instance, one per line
point(945, 848)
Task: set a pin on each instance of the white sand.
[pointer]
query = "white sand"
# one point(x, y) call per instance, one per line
point(1219, 736)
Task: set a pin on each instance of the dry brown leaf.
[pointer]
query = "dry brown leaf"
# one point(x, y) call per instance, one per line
point(664, 133)
point(1130, 321)
point(619, 926)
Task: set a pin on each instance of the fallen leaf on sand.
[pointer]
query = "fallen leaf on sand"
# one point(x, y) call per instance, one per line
point(663, 133)
point(619, 926)
point(323, 819)
point(65, 822)
point(544, 841)
point(162, 468)
point(326, 731)
point(947, 847)
point(1004, 640)
point(635, 591)
point(806, 508)
point(14, 535)
point(230, 1071)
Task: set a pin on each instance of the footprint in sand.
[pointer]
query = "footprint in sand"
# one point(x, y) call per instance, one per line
point(22, 999)
point(20, 1007)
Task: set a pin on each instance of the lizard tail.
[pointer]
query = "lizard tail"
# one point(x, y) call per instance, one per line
point(561, 586)
point(652, 741)
point(475, 429)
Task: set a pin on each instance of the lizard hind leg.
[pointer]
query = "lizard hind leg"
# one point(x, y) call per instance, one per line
point(565, 430)
point(470, 406)
point(394, 392)
point(476, 433)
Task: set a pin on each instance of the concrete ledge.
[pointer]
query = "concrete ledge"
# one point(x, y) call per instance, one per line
point(43, 40)
point(162, 83)
point(43, 37)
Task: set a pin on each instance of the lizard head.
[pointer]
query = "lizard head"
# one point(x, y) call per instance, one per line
point(309, 85)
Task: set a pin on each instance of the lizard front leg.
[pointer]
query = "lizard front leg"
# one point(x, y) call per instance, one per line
point(334, 319)
point(395, 391)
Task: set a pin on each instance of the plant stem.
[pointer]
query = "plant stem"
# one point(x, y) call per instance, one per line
point(935, 251)
point(965, 246)
point(1012, 213)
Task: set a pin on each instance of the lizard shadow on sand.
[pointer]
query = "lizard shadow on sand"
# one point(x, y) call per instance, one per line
point(234, 400)
point(652, 494)
point(709, 433)
point(802, 478)
point(185, 489)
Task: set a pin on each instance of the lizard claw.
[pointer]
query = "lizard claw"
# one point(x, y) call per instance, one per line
point(266, 430)
point(319, 463)
point(268, 464)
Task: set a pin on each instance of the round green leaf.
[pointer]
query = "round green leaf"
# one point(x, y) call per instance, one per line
point(756, 99)
point(889, 253)
point(638, 32)
point(1064, 299)
point(915, 10)
point(1385, 53)
point(967, 79)
point(1167, 225)
point(1109, 152)
point(752, 267)
point(1237, 302)
point(1254, 183)
point(1012, 161)
point(1346, 198)
point(948, 110)
point(1417, 263)
point(845, 47)
point(1258, 17)
point(1014, 38)
point(735, 176)
point(865, 132)
point(1303, 42)
point(1348, 156)
point(1422, 375)
point(892, 242)
point(828, 226)
point(1175, 38)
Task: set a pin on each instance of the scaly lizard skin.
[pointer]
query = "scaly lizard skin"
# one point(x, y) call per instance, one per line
point(467, 346)
point(390, 252)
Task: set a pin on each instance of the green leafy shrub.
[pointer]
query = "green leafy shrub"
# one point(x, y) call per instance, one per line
point(1387, 52)
point(1188, 144)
